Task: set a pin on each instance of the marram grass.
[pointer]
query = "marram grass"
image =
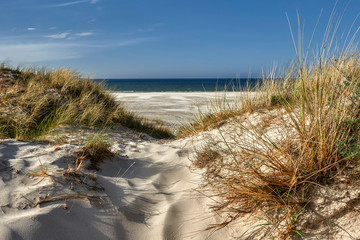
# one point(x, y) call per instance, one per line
point(308, 133)
point(34, 101)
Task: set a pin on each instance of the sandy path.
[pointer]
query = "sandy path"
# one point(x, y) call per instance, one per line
point(154, 199)
point(159, 197)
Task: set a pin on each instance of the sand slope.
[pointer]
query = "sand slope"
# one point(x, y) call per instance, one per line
point(153, 199)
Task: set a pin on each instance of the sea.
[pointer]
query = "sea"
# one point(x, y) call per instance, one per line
point(178, 84)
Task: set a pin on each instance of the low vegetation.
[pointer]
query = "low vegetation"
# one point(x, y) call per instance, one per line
point(34, 101)
point(307, 133)
point(264, 94)
point(95, 149)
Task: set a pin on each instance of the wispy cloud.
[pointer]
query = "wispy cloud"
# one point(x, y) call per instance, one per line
point(45, 51)
point(66, 4)
point(31, 29)
point(68, 35)
point(58, 35)
point(84, 34)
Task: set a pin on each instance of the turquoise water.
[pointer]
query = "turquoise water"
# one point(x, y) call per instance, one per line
point(176, 84)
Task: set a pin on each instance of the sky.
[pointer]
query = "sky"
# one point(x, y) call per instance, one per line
point(163, 38)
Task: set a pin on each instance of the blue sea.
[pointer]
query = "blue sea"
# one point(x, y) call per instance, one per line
point(177, 84)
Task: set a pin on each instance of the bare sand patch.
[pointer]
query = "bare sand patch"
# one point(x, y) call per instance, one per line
point(173, 108)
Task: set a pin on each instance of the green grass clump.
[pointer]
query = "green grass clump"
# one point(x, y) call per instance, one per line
point(96, 149)
point(34, 101)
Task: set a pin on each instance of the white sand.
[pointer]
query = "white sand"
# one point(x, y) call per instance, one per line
point(173, 108)
point(154, 199)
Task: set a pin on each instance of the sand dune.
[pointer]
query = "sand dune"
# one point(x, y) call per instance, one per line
point(146, 192)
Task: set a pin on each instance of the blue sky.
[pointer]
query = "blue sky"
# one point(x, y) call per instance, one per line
point(160, 38)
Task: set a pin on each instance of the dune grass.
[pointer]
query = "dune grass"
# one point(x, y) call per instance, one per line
point(34, 101)
point(95, 149)
point(307, 134)
point(265, 94)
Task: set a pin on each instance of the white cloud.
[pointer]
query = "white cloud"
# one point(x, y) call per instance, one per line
point(45, 51)
point(84, 34)
point(68, 3)
point(68, 35)
point(31, 29)
point(58, 36)
point(73, 3)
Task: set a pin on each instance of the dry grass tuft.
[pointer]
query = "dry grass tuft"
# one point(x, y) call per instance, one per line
point(206, 157)
point(74, 171)
point(66, 197)
point(43, 173)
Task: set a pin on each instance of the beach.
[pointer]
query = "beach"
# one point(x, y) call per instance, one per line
point(179, 120)
point(175, 108)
